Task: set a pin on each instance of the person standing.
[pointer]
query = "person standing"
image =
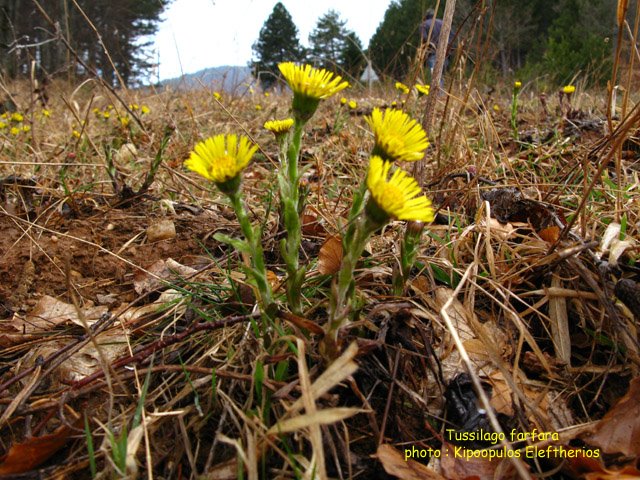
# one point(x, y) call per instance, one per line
point(430, 34)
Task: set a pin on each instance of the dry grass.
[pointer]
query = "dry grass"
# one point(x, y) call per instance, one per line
point(163, 373)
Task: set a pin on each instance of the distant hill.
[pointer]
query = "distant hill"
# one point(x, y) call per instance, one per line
point(226, 78)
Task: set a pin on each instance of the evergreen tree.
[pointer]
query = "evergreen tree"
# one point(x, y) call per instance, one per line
point(278, 42)
point(394, 44)
point(352, 59)
point(333, 46)
point(577, 41)
point(26, 36)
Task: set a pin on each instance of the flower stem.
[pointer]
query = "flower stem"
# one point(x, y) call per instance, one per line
point(344, 284)
point(258, 269)
point(292, 206)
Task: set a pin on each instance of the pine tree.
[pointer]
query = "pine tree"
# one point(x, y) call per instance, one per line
point(278, 42)
point(333, 46)
point(393, 45)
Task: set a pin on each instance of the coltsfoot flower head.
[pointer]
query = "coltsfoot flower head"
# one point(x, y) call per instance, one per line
point(221, 159)
point(398, 136)
point(423, 90)
point(310, 85)
point(17, 117)
point(397, 197)
point(353, 104)
point(568, 89)
point(402, 87)
point(517, 85)
point(279, 127)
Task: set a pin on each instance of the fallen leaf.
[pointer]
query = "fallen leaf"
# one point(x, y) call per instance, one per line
point(550, 234)
point(330, 256)
point(50, 312)
point(455, 466)
point(311, 226)
point(394, 463)
point(593, 469)
point(160, 274)
point(24, 457)
point(619, 430)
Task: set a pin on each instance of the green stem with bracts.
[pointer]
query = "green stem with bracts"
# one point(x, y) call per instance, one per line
point(408, 253)
point(292, 207)
point(253, 247)
point(343, 286)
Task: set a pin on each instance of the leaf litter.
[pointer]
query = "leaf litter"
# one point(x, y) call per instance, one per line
point(531, 297)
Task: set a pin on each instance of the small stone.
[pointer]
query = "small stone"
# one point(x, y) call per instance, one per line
point(162, 230)
point(110, 227)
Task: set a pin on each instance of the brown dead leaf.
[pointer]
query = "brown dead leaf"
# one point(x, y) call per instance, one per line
point(24, 457)
point(550, 234)
point(311, 226)
point(158, 274)
point(593, 469)
point(455, 466)
point(394, 463)
point(330, 256)
point(50, 312)
point(619, 429)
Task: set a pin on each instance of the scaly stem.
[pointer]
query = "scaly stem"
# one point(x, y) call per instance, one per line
point(292, 205)
point(258, 269)
point(344, 284)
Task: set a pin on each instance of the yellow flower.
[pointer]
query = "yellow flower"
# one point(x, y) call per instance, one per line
point(343, 101)
point(144, 109)
point(17, 117)
point(14, 131)
point(398, 197)
point(106, 115)
point(568, 89)
point(517, 85)
point(496, 107)
point(278, 127)
point(46, 113)
point(267, 94)
point(3, 125)
point(217, 96)
point(352, 104)
point(398, 136)
point(423, 90)
point(26, 128)
point(310, 85)
point(124, 121)
point(221, 159)
point(75, 134)
point(133, 107)
point(402, 87)
point(258, 107)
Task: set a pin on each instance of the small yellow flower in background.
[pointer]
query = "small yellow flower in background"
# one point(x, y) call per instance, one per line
point(517, 85)
point(16, 117)
point(423, 90)
point(106, 115)
point(278, 127)
point(144, 109)
point(258, 107)
point(352, 104)
point(217, 96)
point(496, 108)
point(310, 82)
point(14, 131)
point(397, 197)
point(402, 87)
point(398, 136)
point(267, 94)
point(3, 125)
point(124, 121)
point(134, 107)
point(309, 86)
point(394, 104)
point(26, 128)
point(46, 113)
point(568, 89)
point(75, 134)
point(343, 101)
point(221, 158)
point(5, 115)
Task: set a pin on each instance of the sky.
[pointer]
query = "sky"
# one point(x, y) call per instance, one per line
point(197, 34)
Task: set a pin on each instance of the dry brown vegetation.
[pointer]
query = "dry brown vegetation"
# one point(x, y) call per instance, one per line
point(130, 354)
